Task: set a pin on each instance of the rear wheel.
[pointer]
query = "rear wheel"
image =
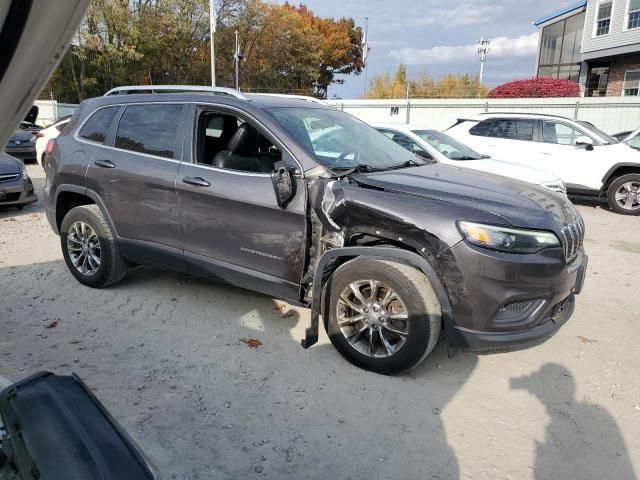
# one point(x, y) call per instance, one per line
point(89, 248)
point(383, 316)
point(623, 194)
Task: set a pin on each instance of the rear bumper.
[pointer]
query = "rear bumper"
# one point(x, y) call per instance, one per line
point(504, 302)
point(19, 192)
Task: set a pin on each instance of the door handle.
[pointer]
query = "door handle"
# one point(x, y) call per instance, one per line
point(105, 164)
point(197, 181)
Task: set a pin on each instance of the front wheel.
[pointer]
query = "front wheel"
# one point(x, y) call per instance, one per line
point(383, 316)
point(90, 249)
point(623, 194)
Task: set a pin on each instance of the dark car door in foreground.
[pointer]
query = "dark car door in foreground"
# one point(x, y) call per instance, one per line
point(232, 225)
point(135, 173)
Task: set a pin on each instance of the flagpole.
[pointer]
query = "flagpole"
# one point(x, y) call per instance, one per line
point(365, 51)
point(212, 31)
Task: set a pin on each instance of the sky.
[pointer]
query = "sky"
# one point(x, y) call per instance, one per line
point(440, 36)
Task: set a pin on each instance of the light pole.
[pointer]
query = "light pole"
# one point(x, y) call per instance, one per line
point(483, 52)
point(212, 31)
point(237, 57)
point(365, 52)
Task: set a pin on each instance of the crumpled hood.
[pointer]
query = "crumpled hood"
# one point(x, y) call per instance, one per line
point(9, 165)
point(518, 203)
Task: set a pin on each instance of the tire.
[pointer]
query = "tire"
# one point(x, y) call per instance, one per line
point(416, 298)
point(111, 267)
point(628, 185)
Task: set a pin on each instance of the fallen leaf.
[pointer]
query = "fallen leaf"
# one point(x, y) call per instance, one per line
point(53, 324)
point(587, 340)
point(288, 314)
point(279, 307)
point(251, 342)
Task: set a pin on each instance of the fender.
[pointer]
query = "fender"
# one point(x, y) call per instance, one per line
point(65, 187)
point(386, 253)
point(613, 169)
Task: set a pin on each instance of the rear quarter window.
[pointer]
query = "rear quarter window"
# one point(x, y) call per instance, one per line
point(483, 128)
point(97, 127)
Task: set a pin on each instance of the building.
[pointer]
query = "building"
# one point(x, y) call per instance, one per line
point(595, 43)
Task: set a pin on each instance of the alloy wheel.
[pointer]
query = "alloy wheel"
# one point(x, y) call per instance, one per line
point(83, 247)
point(373, 318)
point(628, 196)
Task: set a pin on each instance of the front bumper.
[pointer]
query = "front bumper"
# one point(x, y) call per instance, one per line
point(17, 192)
point(22, 152)
point(506, 301)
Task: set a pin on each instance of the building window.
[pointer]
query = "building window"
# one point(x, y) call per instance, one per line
point(633, 15)
point(631, 86)
point(603, 18)
point(560, 45)
point(597, 81)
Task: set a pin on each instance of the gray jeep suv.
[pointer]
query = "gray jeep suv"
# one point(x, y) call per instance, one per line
point(300, 201)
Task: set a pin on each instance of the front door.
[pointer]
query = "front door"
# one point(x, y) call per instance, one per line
point(232, 225)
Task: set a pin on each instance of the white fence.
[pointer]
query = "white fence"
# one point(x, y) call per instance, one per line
point(50, 111)
point(611, 114)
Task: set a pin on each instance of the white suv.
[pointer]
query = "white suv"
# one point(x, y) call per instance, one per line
point(588, 160)
point(430, 143)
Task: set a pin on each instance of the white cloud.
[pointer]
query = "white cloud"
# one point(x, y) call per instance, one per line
point(501, 47)
point(463, 14)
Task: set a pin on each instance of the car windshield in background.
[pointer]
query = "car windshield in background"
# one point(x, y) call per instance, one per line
point(606, 137)
point(339, 141)
point(447, 146)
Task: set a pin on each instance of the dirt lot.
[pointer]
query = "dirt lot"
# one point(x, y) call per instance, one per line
point(164, 353)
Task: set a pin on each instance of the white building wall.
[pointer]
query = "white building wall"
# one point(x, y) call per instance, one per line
point(611, 114)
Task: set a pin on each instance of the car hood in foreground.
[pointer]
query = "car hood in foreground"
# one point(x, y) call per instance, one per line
point(9, 165)
point(512, 170)
point(519, 203)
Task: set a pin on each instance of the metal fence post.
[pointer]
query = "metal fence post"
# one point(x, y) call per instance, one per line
point(575, 113)
point(486, 107)
point(408, 111)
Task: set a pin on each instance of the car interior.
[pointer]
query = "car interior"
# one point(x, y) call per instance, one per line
point(226, 141)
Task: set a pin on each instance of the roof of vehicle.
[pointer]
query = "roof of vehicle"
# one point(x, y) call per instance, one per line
point(481, 116)
point(403, 127)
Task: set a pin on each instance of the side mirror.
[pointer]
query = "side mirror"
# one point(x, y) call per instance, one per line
point(584, 141)
point(283, 183)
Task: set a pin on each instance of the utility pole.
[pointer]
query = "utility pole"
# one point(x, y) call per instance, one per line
point(237, 56)
point(365, 52)
point(483, 52)
point(212, 32)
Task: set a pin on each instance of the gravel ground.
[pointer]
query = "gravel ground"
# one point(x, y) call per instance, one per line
point(164, 353)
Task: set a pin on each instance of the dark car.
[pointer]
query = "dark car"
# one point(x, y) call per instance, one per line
point(16, 188)
point(389, 248)
point(22, 143)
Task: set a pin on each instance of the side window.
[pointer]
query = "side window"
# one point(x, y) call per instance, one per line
point(483, 128)
point(97, 127)
point(559, 133)
point(228, 142)
point(150, 129)
point(406, 142)
point(512, 129)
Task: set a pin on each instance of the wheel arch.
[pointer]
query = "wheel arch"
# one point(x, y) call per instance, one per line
point(619, 169)
point(327, 264)
point(70, 196)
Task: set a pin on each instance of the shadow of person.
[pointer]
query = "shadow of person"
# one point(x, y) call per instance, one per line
point(582, 440)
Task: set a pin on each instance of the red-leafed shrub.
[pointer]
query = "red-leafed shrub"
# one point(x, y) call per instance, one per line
point(536, 88)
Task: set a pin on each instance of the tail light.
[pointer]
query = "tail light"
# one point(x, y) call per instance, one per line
point(49, 148)
point(39, 135)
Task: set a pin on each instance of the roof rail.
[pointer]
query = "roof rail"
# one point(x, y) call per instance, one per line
point(176, 89)
point(297, 97)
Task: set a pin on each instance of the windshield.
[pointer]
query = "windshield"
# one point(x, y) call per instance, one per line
point(447, 146)
point(608, 139)
point(339, 141)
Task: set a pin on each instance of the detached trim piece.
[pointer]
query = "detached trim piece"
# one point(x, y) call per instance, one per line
point(12, 31)
point(387, 253)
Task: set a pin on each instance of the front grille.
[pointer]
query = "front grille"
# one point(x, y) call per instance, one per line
point(519, 307)
point(9, 178)
point(10, 197)
point(572, 239)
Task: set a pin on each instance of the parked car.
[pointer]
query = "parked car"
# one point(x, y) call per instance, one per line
point(16, 188)
point(430, 143)
point(391, 249)
point(630, 137)
point(589, 161)
point(22, 145)
point(49, 133)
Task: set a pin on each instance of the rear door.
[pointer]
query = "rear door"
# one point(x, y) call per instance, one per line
point(232, 225)
point(134, 174)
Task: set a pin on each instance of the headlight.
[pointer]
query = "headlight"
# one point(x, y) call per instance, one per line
point(507, 239)
point(25, 175)
point(556, 186)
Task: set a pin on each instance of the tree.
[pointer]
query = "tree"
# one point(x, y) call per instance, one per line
point(536, 88)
